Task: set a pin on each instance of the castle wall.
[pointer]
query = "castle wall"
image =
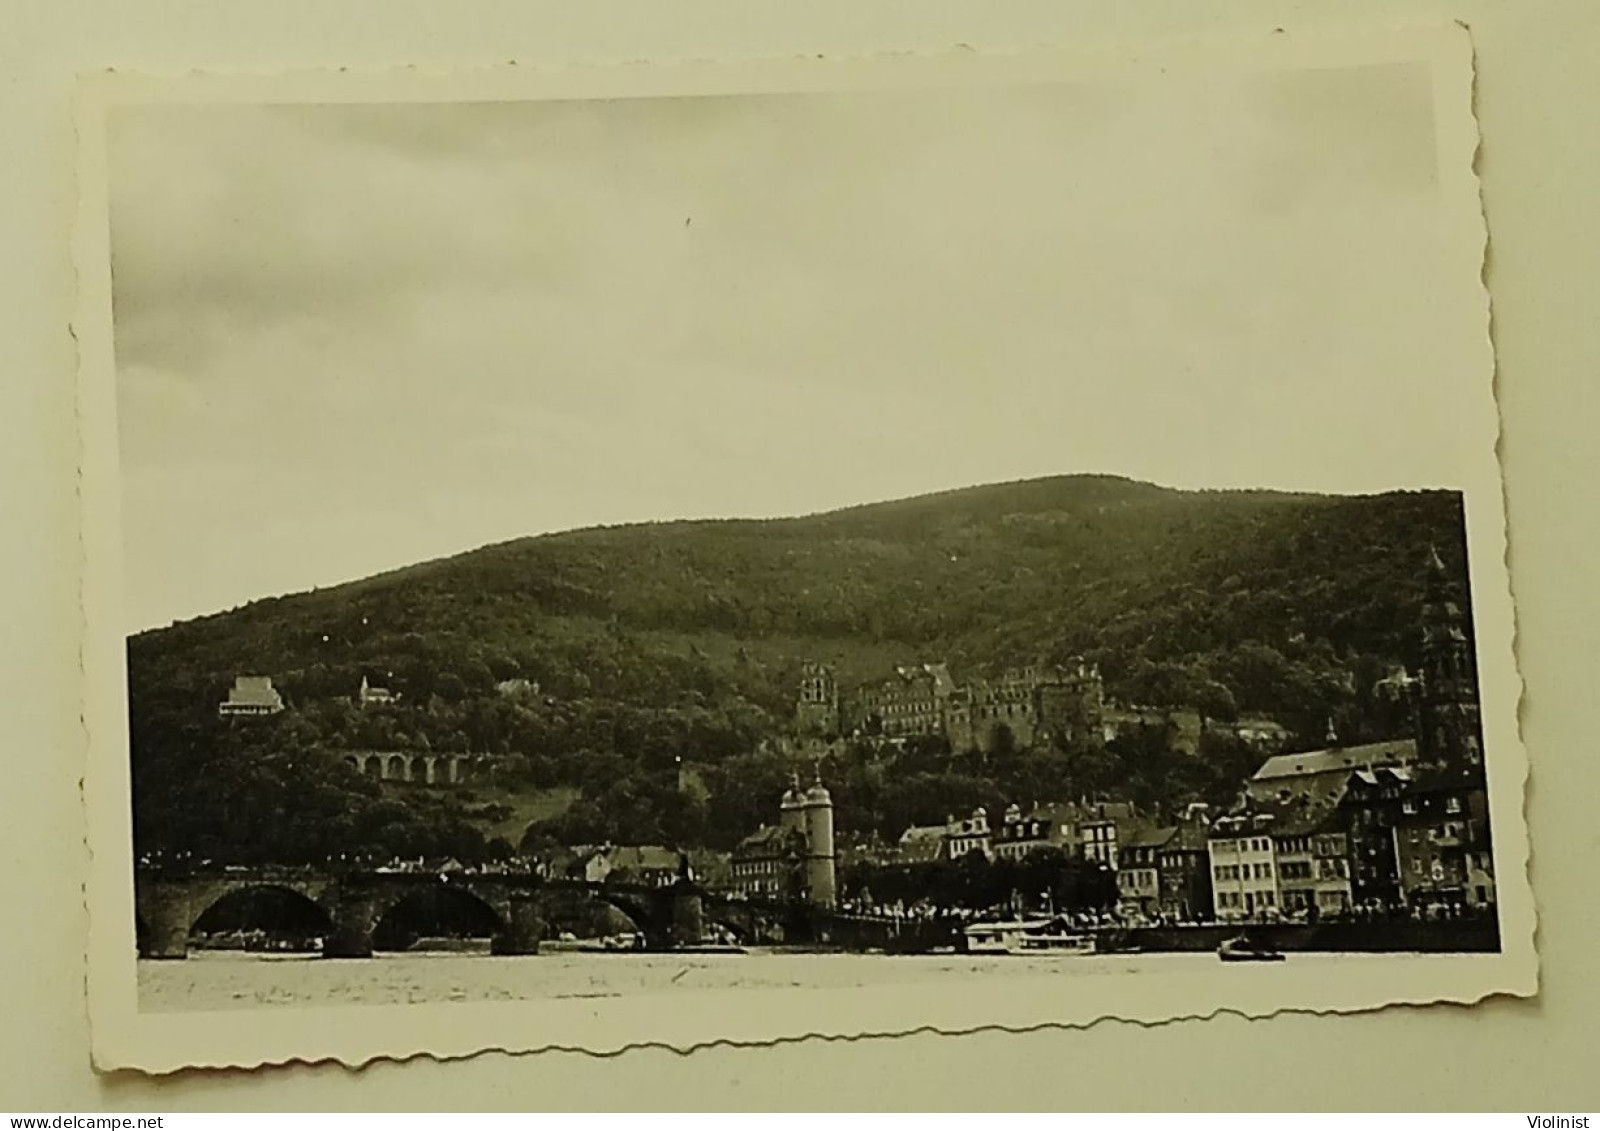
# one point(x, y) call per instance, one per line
point(1033, 705)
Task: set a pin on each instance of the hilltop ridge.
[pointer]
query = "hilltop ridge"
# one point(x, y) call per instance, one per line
point(651, 642)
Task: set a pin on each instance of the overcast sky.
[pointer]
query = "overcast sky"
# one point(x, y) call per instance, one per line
point(350, 338)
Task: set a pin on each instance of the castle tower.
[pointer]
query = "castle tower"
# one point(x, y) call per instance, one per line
point(821, 885)
point(817, 704)
point(1449, 729)
point(1071, 704)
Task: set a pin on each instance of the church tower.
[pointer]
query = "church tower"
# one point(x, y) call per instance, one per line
point(1450, 733)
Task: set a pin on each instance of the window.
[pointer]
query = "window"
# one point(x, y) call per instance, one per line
point(1452, 805)
point(1408, 805)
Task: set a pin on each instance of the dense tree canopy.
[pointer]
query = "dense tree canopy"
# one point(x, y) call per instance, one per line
point(648, 647)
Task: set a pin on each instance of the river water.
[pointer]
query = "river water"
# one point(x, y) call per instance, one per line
point(221, 980)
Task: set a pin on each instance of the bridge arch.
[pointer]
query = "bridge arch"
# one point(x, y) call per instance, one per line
point(436, 911)
point(742, 930)
point(260, 911)
point(634, 907)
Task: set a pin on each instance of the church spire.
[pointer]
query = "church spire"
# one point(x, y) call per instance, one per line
point(1450, 732)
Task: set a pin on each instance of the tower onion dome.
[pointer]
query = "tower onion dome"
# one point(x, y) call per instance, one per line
point(792, 797)
point(818, 794)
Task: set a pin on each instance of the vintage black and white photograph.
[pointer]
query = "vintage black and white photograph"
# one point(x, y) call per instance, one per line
point(1022, 534)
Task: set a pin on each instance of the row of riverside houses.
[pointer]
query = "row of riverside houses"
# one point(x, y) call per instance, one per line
point(1161, 868)
point(1377, 829)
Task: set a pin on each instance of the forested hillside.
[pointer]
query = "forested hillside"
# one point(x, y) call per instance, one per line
point(682, 640)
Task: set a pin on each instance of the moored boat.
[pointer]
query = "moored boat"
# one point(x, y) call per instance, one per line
point(1242, 948)
point(1035, 937)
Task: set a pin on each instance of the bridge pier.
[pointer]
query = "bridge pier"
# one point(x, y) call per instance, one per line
point(355, 914)
point(688, 917)
point(166, 920)
point(524, 927)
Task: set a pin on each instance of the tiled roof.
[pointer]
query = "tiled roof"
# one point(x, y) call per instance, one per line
point(1342, 758)
point(1299, 817)
point(1383, 775)
point(767, 840)
point(1189, 836)
point(1149, 837)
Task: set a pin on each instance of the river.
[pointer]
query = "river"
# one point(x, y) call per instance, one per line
point(222, 980)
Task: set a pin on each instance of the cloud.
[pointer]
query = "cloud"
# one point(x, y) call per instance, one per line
point(353, 336)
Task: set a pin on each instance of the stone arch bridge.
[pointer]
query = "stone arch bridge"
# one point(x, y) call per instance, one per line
point(168, 903)
point(419, 767)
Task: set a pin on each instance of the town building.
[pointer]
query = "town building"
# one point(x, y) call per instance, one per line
point(957, 837)
point(1441, 840)
point(1184, 869)
point(921, 844)
point(1243, 874)
point(1281, 859)
point(1294, 860)
point(1019, 835)
point(1371, 802)
point(1099, 826)
point(1139, 871)
point(1332, 894)
point(1321, 775)
point(794, 859)
point(968, 834)
point(767, 864)
point(648, 865)
point(251, 695)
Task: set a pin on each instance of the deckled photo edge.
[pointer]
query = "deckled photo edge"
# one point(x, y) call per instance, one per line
point(126, 1038)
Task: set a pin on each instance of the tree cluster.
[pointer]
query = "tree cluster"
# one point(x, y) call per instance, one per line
point(638, 649)
point(1046, 879)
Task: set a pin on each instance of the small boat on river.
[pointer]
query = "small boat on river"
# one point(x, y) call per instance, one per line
point(1243, 948)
